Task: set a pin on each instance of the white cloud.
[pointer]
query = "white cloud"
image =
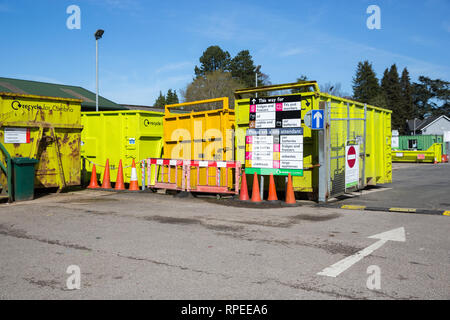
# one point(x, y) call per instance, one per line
point(422, 41)
point(446, 26)
point(175, 67)
point(293, 52)
point(5, 8)
point(31, 77)
point(127, 90)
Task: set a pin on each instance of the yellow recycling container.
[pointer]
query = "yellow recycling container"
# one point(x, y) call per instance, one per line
point(44, 128)
point(191, 134)
point(372, 135)
point(432, 155)
point(120, 135)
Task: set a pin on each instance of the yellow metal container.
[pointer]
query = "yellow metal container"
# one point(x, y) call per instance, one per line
point(120, 135)
point(433, 154)
point(47, 129)
point(200, 135)
point(378, 167)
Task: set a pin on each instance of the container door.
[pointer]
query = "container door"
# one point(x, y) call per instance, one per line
point(346, 149)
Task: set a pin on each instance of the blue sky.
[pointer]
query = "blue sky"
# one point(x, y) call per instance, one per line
point(150, 46)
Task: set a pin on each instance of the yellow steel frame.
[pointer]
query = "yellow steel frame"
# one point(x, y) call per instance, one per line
point(224, 100)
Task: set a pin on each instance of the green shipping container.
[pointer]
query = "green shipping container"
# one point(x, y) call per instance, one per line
point(120, 135)
point(420, 142)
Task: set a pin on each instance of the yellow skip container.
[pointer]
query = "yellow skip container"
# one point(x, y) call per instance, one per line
point(120, 135)
point(47, 129)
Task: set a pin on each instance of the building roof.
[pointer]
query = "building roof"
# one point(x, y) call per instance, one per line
point(423, 124)
point(139, 107)
point(412, 126)
point(58, 90)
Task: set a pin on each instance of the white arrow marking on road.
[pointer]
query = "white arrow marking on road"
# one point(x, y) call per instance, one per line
point(339, 267)
point(318, 117)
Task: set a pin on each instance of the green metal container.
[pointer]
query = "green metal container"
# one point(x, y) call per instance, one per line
point(23, 178)
point(420, 142)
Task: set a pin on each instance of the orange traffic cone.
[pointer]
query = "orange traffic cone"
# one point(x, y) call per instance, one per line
point(106, 179)
point(93, 184)
point(119, 181)
point(244, 189)
point(134, 186)
point(272, 190)
point(290, 196)
point(256, 197)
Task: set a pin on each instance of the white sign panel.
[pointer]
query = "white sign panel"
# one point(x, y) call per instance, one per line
point(351, 166)
point(292, 123)
point(265, 116)
point(17, 135)
point(292, 139)
point(395, 143)
point(264, 164)
point(447, 136)
point(260, 124)
point(296, 165)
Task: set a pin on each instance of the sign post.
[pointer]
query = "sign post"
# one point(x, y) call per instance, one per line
point(315, 119)
point(351, 165)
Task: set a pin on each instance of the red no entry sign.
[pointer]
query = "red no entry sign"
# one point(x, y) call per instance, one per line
point(351, 156)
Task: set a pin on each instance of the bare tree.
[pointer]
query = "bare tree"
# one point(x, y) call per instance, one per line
point(213, 85)
point(333, 89)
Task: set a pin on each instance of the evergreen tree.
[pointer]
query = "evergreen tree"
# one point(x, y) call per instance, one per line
point(243, 68)
point(366, 88)
point(392, 89)
point(213, 58)
point(172, 97)
point(409, 107)
point(160, 101)
point(431, 97)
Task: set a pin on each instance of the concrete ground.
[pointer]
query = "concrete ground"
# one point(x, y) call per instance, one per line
point(420, 186)
point(151, 246)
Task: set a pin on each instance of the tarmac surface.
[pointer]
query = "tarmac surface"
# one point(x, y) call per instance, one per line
point(153, 246)
point(419, 186)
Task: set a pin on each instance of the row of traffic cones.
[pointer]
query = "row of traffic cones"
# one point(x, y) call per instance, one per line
point(256, 197)
point(120, 185)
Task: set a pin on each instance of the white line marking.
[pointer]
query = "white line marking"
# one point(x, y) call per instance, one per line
point(339, 267)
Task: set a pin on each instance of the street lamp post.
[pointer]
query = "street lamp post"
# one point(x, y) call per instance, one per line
point(98, 35)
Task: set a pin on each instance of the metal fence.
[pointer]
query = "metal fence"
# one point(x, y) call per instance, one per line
point(347, 125)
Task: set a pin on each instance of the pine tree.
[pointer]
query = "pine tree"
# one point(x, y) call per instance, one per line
point(213, 58)
point(431, 97)
point(407, 93)
point(366, 88)
point(160, 101)
point(243, 68)
point(394, 98)
point(172, 97)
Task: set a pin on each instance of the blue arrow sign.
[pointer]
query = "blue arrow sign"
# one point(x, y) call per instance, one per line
point(317, 117)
